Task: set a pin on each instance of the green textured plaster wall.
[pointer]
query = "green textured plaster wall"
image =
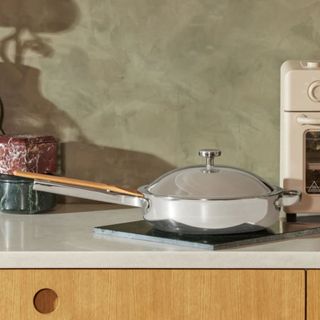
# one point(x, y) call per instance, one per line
point(135, 88)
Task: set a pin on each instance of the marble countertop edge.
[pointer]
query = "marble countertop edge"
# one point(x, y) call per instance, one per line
point(159, 260)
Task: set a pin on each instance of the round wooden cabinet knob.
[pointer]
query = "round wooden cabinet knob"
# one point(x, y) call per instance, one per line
point(45, 300)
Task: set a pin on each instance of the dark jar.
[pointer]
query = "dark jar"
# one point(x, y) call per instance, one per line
point(18, 196)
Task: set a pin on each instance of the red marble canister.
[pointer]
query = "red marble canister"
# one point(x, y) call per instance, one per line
point(28, 153)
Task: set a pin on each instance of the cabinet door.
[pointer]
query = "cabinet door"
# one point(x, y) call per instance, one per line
point(152, 294)
point(313, 294)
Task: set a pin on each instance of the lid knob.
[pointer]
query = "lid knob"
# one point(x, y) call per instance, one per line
point(209, 154)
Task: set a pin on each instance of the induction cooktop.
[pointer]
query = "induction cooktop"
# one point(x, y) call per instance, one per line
point(143, 230)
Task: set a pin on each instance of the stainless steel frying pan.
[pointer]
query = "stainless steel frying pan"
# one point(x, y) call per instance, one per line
point(203, 199)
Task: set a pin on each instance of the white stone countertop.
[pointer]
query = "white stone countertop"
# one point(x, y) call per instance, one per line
point(65, 239)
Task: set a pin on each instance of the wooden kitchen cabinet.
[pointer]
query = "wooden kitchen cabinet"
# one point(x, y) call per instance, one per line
point(154, 294)
point(313, 294)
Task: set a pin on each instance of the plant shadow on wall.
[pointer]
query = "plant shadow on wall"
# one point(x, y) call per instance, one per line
point(27, 111)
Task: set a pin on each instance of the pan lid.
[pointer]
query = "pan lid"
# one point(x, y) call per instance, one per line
point(210, 182)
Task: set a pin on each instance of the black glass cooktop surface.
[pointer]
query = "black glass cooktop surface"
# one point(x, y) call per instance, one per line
point(143, 230)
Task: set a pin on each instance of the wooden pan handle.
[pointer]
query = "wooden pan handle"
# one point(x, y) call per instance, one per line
point(77, 182)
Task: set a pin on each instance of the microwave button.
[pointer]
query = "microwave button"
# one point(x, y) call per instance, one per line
point(314, 91)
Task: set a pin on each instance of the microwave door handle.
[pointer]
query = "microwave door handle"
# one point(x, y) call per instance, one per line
point(304, 120)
